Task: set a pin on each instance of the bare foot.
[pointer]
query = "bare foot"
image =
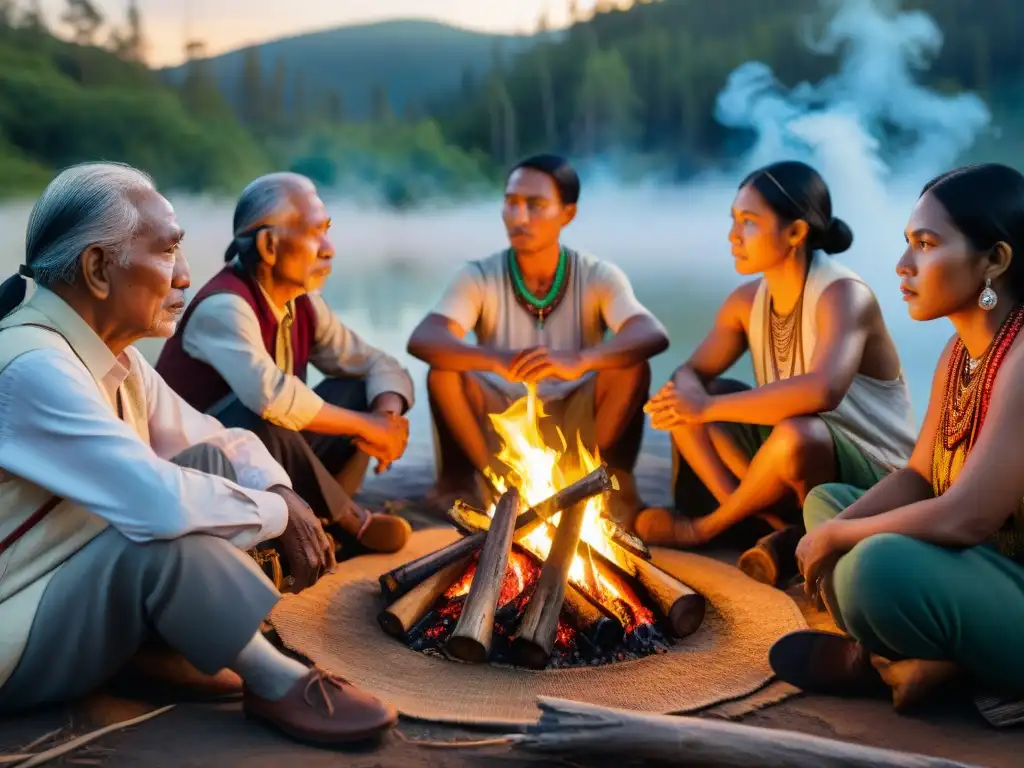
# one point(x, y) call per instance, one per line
point(913, 680)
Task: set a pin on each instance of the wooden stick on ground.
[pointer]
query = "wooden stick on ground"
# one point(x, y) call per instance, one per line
point(401, 616)
point(572, 728)
point(397, 582)
point(536, 637)
point(471, 640)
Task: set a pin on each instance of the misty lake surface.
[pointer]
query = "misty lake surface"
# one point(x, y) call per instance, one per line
point(391, 268)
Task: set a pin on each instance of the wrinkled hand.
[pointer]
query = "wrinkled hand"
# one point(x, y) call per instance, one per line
point(816, 556)
point(532, 365)
point(676, 404)
point(384, 436)
point(305, 545)
point(388, 402)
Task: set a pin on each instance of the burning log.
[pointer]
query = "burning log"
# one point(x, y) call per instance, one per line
point(471, 640)
point(467, 518)
point(683, 607)
point(588, 613)
point(594, 484)
point(402, 615)
point(537, 629)
point(591, 619)
point(396, 583)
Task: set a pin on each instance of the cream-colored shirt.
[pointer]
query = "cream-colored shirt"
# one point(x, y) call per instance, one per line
point(224, 332)
point(60, 435)
point(598, 299)
point(875, 415)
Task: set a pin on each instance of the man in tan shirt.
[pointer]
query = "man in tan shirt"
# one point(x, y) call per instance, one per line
point(541, 313)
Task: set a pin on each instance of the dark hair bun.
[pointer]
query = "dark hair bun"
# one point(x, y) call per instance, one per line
point(837, 238)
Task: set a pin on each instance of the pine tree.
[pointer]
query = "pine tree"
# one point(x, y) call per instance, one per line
point(380, 104)
point(84, 21)
point(251, 88)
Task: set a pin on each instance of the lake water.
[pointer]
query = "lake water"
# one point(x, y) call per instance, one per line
point(391, 268)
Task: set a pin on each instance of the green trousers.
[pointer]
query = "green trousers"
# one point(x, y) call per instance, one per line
point(903, 598)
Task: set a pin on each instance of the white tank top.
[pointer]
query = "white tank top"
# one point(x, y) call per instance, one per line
point(875, 415)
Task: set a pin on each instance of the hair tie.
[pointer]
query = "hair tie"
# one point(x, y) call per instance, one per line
point(26, 271)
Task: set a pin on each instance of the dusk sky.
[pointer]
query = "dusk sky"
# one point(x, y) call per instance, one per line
point(226, 24)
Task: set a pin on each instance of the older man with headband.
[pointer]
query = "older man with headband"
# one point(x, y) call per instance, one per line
point(245, 344)
point(123, 511)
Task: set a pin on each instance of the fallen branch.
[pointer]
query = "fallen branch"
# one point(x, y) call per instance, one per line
point(569, 727)
point(41, 758)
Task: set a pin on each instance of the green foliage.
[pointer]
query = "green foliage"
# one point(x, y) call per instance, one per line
point(62, 103)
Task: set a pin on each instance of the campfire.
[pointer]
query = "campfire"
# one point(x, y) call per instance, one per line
point(544, 578)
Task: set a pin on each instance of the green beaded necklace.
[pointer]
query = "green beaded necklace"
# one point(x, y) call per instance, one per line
point(542, 307)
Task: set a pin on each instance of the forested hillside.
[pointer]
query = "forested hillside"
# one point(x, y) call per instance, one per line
point(646, 78)
point(640, 82)
point(366, 69)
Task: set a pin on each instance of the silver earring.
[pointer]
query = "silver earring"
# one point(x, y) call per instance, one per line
point(988, 299)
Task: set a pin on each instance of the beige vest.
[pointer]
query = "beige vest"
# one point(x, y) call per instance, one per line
point(875, 415)
point(27, 567)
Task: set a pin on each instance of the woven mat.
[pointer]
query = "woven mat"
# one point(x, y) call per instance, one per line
point(334, 625)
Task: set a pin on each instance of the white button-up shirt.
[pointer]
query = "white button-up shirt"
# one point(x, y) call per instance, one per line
point(59, 430)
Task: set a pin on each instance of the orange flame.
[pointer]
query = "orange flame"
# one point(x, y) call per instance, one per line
point(538, 472)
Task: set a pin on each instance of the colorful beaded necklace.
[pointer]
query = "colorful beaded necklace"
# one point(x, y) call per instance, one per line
point(964, 407)
point(539, 307)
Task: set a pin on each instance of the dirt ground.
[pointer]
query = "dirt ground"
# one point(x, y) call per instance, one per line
point(207, 734)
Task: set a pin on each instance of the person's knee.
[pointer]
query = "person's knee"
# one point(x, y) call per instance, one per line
point(156, 562)
point(349, 393)
point(875, 585)
point(797, 447)
point(823, 503)
point(208, 458)
point(440, 383)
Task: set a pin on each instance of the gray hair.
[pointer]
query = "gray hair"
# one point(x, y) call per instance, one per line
point(90, 204)
point(263, 199)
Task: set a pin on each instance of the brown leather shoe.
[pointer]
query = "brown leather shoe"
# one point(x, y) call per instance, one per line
point(825, 663)
point(322, 709)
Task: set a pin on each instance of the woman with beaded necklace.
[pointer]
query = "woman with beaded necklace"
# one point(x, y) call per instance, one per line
point(830, 404)
point(926, 570)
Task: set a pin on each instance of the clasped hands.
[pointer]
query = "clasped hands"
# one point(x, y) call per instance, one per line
point(531, 365)
point(679, 402)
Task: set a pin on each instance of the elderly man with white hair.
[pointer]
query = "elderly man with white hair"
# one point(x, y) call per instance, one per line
point(247, 340)
point(123, 510)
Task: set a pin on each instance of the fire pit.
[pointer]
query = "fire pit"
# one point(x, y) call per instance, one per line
point(544, 578)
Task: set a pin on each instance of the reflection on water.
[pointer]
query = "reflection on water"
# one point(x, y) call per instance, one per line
point(391, 270)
